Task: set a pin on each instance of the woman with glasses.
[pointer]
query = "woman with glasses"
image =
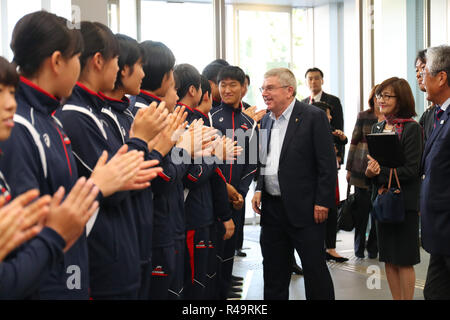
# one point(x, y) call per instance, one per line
point(398, 243)
point(356, 168)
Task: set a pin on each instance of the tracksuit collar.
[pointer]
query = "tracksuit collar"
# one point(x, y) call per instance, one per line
point(83, 94)
point(37, 97)
point(118, 105)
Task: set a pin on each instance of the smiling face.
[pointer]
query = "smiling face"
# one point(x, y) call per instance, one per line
point(8, 107)
point(68, 76)
point(230, 91)
point(388, 101)
point(276, 96)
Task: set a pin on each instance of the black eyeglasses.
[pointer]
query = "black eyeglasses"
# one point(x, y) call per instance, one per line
point(385, 97)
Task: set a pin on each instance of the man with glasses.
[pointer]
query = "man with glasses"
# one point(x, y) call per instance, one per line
point(435, 190)
point(295, 190)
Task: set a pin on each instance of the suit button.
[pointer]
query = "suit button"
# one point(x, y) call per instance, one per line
point(423, 177)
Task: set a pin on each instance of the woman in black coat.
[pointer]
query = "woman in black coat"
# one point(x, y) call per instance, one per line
point(399, 243)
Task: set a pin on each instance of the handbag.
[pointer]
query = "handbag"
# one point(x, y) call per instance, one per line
point(389, 206)
point(345, 218)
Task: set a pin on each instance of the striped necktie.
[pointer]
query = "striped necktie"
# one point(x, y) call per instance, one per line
point(439, 113)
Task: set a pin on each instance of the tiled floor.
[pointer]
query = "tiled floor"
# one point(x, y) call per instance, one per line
point(351, 279)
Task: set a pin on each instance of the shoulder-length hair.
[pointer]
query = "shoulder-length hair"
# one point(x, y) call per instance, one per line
point(371, 100)
point(406, 106)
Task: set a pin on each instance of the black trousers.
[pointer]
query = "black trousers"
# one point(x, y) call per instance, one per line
point(331, 229)
point(240, 228)
point(225, 257)
point(437, 285)
point(278, 241)
point(364, 206)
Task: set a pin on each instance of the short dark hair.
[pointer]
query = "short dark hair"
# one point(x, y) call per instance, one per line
point(406, 107)
point(186, 76)
point(8, 73)
point(422, 56)
point(206, 88)
point(323, 106)
point(232, 72)
point(130, 53)
point(314, 70)
point(248, 79)
point(160, 60)
point(212, 70)
point(37, 35)
point(97, 38)
point(222, 62)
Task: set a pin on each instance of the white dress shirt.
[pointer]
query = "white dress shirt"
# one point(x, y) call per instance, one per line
point(316, 97)
point(278, 132)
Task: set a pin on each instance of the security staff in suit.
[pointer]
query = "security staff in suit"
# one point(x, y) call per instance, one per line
point(295, 190)
point(314, 79)
point(434, 199)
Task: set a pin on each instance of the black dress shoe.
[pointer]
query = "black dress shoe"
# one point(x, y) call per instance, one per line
point(236, 278)
point(240, 253)
point(360, 255)
point(236, 284)
point(373, 255)
point(233, 295)
point(337, 259)
point(297, 269)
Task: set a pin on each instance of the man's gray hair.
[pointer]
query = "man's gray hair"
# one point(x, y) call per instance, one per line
point(287, 78)
point(438, 59)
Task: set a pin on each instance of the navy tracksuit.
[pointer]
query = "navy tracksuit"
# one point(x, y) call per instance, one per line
point(206, 208)
point(38, 155)
point(114, 257)
point(169, 221)
point(25, 269)
point(121, 119)
point(238, 127)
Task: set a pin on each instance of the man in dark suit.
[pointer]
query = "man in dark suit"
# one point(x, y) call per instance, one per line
point(314, 79)
point(434, 197)
point(296, 188)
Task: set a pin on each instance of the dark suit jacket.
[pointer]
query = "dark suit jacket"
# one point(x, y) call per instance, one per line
point(427, 122)
point(435, 191)
point(338, 117)
point(409, 174)
point(307, 169)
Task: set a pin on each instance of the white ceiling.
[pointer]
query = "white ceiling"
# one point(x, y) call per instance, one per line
point(293, 3)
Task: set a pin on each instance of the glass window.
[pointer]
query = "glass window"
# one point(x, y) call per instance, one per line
point(186, 28)
point(16, 9)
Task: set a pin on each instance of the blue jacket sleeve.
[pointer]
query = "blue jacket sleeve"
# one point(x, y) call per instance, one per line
point(22, 272)
point(222, 207)
point(88, 143)
point(173, 171)
point(21, 163)
point(198, 174)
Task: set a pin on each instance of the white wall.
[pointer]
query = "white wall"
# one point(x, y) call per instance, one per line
point(322, 47)
point(93, 10)
point(390, 39)
point(440, 13)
